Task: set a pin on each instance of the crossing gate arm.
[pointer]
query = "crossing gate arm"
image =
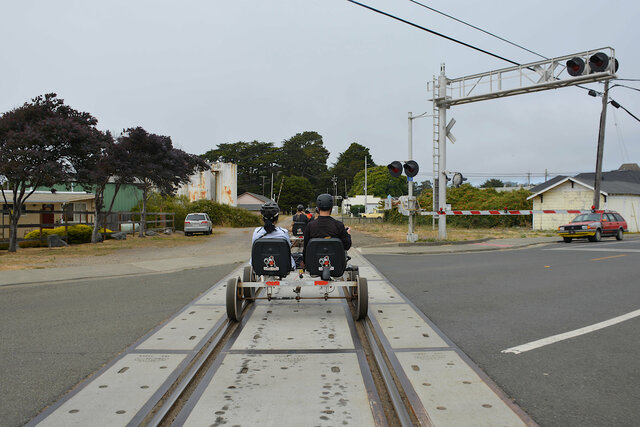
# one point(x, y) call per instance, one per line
point(510, 212)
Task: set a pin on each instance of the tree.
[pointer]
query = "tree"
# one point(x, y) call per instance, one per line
point(379, 183)
point(305, 155)
point(113, 163)
point(492, 183)
point(253, 159)
point(158, 165)
point(296, 190)
point(348, 164)
point(419, 188)
point(42, 143)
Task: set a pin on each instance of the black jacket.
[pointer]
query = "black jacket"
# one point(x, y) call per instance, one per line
point(300, 217)
point(326, 226)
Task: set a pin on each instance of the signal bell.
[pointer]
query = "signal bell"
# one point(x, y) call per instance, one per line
point(395, 169)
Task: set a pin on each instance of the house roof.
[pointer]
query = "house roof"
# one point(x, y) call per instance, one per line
point(613, 182)
point(260, 197)
point(49, 197)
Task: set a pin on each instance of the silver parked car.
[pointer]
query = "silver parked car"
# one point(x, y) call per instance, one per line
point(197, 223)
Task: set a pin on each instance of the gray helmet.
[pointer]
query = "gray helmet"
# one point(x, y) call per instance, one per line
point(300, 208)
point(270, 211)
point(324, 202)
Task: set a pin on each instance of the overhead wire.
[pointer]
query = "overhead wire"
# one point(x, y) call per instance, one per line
point(477, 28)
point(469, 45)
point(433, 32)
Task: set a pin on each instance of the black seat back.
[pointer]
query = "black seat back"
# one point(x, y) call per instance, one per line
point(271, 257)
point(298, 228)
point(320, 251)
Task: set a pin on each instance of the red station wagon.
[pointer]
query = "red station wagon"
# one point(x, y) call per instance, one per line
point(594, 226)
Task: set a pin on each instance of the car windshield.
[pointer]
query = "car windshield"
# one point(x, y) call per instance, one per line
point(586, 217)
point(195, 217)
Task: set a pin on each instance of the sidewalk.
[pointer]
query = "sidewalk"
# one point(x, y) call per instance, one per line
point(172, 263)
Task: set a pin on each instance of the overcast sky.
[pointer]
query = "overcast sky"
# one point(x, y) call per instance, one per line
point(211, 72)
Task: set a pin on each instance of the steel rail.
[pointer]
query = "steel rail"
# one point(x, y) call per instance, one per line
point(392, 389)
point(189, 377)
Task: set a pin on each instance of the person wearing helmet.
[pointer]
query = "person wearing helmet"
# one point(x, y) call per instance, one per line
point(325, 225)
point(300, 215)
point(270, 212)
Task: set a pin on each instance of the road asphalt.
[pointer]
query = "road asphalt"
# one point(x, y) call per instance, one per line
point(168, 261)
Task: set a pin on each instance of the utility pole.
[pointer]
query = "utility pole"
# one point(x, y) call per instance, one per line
point(442, 153)
point(603, 121)
point(365, 184)
point(263, 177)
point(271, 194)
point(411, 236)
point(334, 179)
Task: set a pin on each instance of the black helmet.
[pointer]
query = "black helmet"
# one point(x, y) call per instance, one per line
point(270, 211)
point(324, 202)
point(300, 208)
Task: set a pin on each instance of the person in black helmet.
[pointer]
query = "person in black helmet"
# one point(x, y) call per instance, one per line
point(300, 216)
point(270, 212)
point(325, 225)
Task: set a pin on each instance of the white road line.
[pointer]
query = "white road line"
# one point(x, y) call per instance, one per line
point(560, 337)
point(593, 249)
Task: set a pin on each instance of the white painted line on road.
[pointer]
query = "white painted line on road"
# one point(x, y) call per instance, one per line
point(561, 337)
point(593, 249)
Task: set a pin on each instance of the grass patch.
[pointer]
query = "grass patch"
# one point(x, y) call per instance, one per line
point(398, 233)
point(30, 258)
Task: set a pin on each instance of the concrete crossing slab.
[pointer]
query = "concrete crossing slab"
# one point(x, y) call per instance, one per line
point(404, 328)
point(452, 393)
point(381, 292)
point(285, 390)
point(215, 295)
point(296, 326)
point(114, 397)
point(186, 330)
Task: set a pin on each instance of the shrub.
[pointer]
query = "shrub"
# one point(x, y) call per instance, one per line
point(78, 233)
point(221, 215)
point(468, 197)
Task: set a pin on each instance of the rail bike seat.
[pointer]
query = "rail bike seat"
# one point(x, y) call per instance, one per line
point(271, 257)
point(298, 229)
point(325, 258)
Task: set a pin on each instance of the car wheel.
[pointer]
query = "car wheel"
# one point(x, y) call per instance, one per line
point(620, 234)
point(596, 237)
point(186, 233)
point(567, 239)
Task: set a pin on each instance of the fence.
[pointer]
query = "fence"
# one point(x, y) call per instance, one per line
point(128, 222)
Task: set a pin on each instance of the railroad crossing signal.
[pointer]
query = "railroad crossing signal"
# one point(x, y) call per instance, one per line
point(395, 169)
point(410, 167)
point(598, 62)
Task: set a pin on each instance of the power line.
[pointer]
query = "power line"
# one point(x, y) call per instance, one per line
point(471, 46)
point(433, 32)
point(478, 28)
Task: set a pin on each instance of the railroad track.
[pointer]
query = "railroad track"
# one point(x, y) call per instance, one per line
point(289, 363)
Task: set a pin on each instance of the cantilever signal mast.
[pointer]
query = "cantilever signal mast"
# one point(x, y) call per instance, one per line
point(569, 70)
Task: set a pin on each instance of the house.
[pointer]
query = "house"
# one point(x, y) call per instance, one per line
point(619, 191)
point(219, 184)
point(252, 201)
point(60, 201)
point(371, 203)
